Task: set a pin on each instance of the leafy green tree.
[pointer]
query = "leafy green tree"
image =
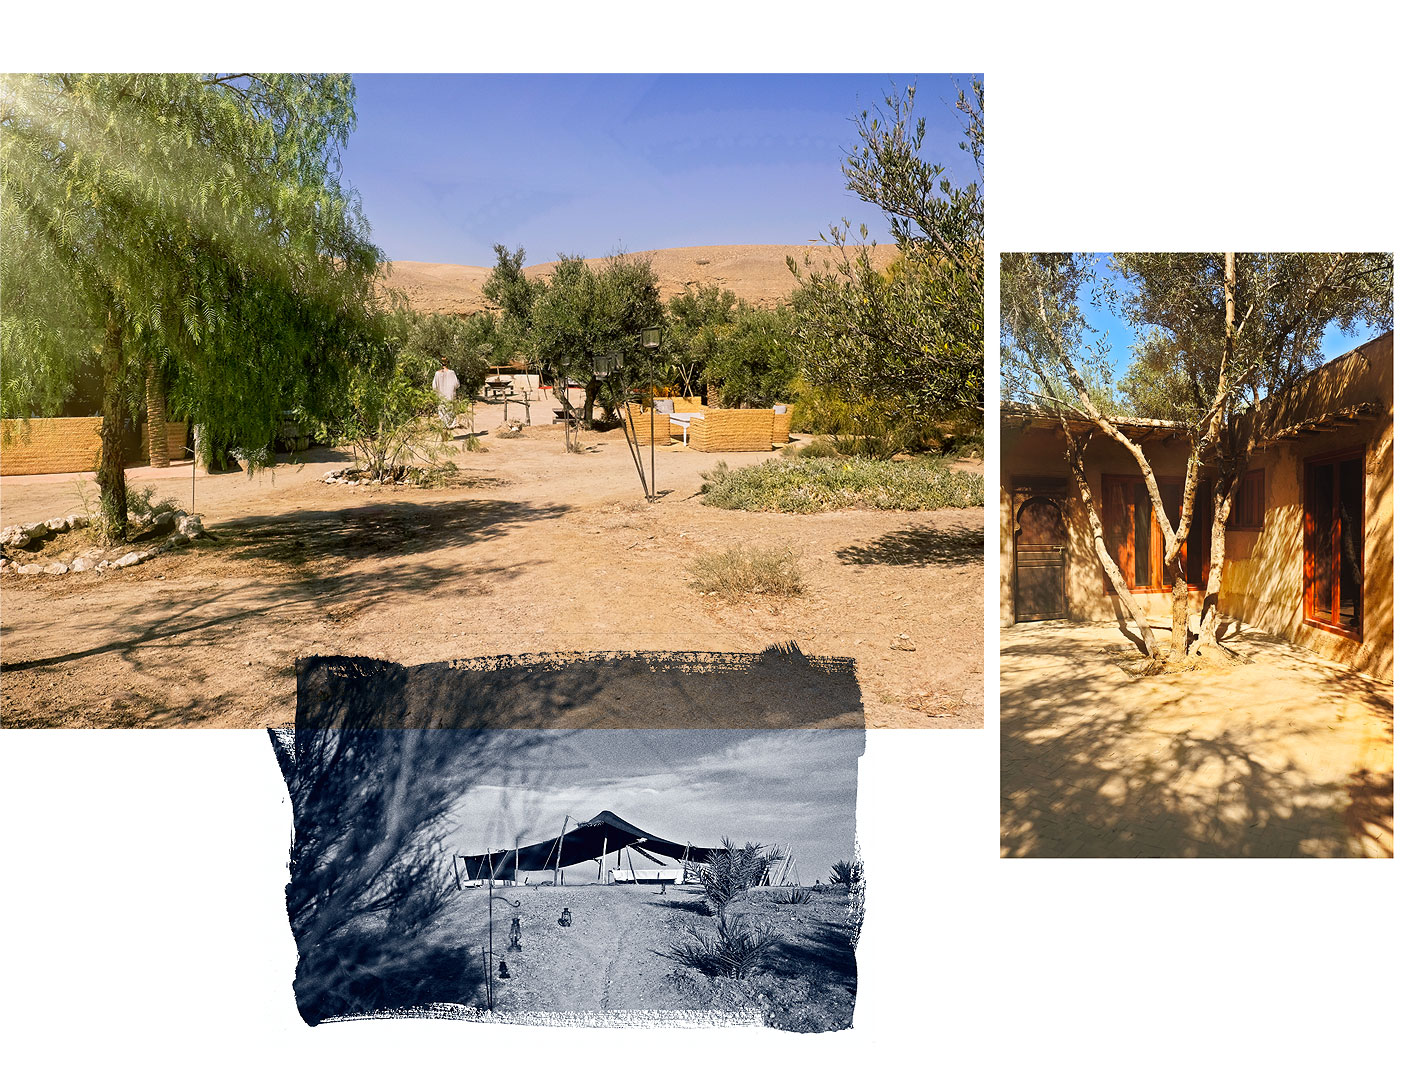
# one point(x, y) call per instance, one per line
point(470, 344)
point(511, 289)
point(514, 293)
point(699, 322)
point(901, 348)
point(754, 365)
point(587, 312)
point(1227, 331)
point(185, 227)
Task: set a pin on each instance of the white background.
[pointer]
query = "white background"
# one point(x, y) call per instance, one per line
point(141, 895)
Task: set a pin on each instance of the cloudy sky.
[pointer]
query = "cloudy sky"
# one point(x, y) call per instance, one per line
point(796, 788)
point(449, 165)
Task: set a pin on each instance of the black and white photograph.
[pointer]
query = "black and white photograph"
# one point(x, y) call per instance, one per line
point(477, 870)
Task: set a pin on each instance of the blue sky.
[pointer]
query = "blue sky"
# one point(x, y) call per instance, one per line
point(1121, 334)
point(448, 165)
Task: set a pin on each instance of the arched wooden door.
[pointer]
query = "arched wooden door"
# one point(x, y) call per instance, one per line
point(1040, 561)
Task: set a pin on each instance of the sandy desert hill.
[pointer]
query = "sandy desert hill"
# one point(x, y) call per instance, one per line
point(755, 272)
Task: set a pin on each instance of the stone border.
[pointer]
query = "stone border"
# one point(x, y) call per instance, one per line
point(186, 527)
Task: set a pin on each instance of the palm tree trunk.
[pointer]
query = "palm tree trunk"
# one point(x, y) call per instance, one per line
point(157, 417)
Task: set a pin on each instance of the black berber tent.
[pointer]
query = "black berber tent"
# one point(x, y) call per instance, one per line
point(604, 833)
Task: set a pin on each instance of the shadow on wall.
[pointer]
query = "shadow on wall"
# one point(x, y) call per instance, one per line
point(1082, 786)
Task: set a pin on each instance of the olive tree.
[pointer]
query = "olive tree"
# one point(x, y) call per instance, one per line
point(588, 311)
point(1220, 333)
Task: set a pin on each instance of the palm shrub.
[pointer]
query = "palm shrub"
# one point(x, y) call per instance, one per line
point(732, 950)
point(733, 869)
point(847, 873)
point(794, 895)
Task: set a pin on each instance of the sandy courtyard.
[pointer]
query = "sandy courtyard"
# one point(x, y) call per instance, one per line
point(530, 550)
point(1287, 755)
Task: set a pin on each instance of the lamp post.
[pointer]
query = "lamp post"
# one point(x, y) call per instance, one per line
point(607, 367)
point(650, 341)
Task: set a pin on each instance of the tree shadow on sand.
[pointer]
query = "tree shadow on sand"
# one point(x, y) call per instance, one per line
point(385, 528)
point(919, 546)
point(1083, 786)
point(826, 952)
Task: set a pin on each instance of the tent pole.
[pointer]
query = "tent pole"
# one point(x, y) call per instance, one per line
point(557, 867)
point(488, 975)
point(602, 861)
point(629, 862)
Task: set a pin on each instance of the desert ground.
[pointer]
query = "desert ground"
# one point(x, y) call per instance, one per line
point(757, 273)
point(1285, 755)
point(615, 956)
point(529, 550)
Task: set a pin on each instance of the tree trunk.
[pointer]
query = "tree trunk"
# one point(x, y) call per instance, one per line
point(1102, 551)
point(157, 417)
point(1179, 615)
point(589, 400)
point(1208, 641)
point(113, 493)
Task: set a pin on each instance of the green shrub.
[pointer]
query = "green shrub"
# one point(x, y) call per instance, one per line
point(141, 503)
point(389, 422)
point(742, 571)
point(822, 485)
point(733, 950)
point(819, 449)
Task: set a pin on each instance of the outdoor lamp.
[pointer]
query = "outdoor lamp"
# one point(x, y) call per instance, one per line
point(602, 366)
point(615, 358)
point(565, 920)
point(651, 338)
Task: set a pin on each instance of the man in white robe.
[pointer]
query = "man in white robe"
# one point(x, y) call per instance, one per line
point(446, 384)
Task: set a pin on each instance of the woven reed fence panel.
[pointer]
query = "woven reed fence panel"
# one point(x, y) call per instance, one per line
point(49, 446)
point(780, 434)
point(734, 430)
point(642, 428)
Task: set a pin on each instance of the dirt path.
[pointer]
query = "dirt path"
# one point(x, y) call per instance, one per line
point(530, 550)
point(607, 960)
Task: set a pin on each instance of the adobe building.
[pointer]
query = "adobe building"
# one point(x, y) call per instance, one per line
point(1308, 546)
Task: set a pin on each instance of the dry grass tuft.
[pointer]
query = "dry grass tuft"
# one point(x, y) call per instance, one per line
point(743, 571)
